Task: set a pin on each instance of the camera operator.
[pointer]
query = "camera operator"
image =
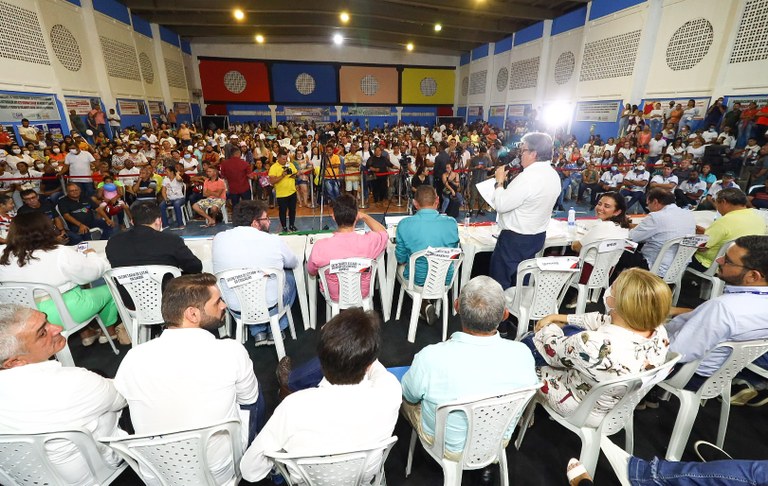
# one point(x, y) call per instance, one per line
point(282, 176)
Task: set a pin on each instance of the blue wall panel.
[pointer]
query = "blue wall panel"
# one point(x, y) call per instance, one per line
point(169, 36)
point(569, 21)
point(480, 52)
point(133, 120)
point(186, 47)
point(373, 121)
point(196, 111)
point(605, 129)
point(461, 112)
point(530, 33)
point(285, 77)
point(424, 115)
point(465, 58)
point(141, 26)
point(503, 45)
point(601, 8)
point(114, 9)
point(75, 2)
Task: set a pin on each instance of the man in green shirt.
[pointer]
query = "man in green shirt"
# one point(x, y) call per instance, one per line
point(736, 221)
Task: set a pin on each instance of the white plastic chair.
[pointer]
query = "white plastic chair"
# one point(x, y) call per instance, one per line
point(606, 255)
point(144, 286)
point(347, 469)
point(250, 287)
point(24, 293)
point(350, 286)
point(718, 385)
point(684, 247)
point(488, 419)
point(541, 287)
point(626, 391)
point(712, 286)
point(434, 285)
point(178, 458)
point(24, 460)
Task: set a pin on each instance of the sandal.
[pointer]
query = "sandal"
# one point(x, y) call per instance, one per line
point(576, 472)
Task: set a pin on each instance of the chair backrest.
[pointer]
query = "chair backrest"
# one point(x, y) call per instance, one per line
point(549, 278)
point(179, 458)
point(144, 284)
point(756, 186)
point(625, 392)
point(488, 419)
point(250, 287)
point(347, 469)
point(438, 266)
point(605, 254)
point(24, 460)
point(24, 293)
point(684, 247)
point(349, 272)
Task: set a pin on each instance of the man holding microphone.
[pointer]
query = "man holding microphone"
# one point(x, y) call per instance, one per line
point(524, 207)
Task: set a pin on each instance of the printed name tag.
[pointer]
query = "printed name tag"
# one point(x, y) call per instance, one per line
point(124, 277)
point(242, 278)
point(695, 241)
point(353, 265)
point(445, 253)
point(558, 263)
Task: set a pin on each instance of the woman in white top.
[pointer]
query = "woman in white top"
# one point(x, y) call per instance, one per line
point(612, 224)
point(676, 150)
point(33, 255)
point(696, 148)
point(301, 162)
point(579, 351)
point(173, 193)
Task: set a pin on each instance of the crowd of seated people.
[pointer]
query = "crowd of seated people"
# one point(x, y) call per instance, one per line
point(569, 353)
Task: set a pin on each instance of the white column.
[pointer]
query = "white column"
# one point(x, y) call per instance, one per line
point(338, 112)
point(273, 110)
point(541, 81)
point(490, 79)
point(645, 49)
point(163, 75)
point(733, 13)
point(399, 110)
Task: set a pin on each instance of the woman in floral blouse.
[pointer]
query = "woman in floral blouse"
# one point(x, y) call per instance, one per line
point(595, 347)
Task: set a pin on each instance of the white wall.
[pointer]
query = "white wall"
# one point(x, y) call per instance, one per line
point(564, 65)
point(524, 66)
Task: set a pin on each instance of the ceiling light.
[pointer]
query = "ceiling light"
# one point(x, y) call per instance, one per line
point(344, 16)
point(438, 27)
point(239, 14)
point(259, 38)
point(338, 39)
point(409, 46)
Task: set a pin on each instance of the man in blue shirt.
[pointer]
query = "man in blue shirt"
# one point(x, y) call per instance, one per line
point(458, 368)
point(426, 228)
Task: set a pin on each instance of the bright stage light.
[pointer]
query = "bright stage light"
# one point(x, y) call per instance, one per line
point(557, 114)
point(344, 16)
point(338, 39)
point(239, 14)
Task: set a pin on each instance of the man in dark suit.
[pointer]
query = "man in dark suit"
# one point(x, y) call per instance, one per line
point(441, 161)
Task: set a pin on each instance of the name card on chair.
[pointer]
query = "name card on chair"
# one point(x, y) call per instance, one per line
point(697, 241)
point(129, 276)
point(446, 253)
point(242, 278)
point(558, 263)
point(353, 265)
point(611, 245)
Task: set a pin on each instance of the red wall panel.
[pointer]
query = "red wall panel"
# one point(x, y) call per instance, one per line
point(234, 80)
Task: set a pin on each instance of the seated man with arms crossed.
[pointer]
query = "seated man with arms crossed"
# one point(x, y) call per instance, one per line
point(354, 407)
point(39, 394)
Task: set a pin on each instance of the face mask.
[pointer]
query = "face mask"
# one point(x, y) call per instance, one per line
point(614, 169)
point(118, 151)
point(26, 152)
point(608, 309)
point(17, 151)
point(72, 151)
point(56, 150)
point(40, 166)
point(187, 156)
point(133, 151)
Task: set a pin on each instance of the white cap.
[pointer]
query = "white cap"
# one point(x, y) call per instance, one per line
point(233, 136)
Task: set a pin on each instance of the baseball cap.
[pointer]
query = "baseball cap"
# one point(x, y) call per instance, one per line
point(729, 174)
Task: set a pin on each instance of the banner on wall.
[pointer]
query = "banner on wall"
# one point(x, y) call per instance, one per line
point(516, 111)
point(250, 113)
point(11, 133)
point(701, 104)
point(759, 100)
point(14, 107)
point(427, 86)
point(53, 128)
point(476, 111)
point(307, 113)
point(598, 111)
point(497, 111)
point(369, 111)
point(182, 109)
point(156, 107)
point(81, 105)
point(131, 107)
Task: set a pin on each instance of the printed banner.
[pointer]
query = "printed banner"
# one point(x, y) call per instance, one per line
point(370, 111)
point(315, 113)
point(14, 107)
point(182, 108)
point(476, 111)
point(54, 128)
point(127, 107)
point(497, 111)
point(367, 84)
point(760, 100)
point(598, 111)
point(81, 105)
point(156, 107)
point(243, 278)
point(516, 111)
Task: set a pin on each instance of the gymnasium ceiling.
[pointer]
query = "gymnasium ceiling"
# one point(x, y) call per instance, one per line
point(388, 24)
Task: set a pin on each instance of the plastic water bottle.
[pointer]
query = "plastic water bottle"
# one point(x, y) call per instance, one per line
point(467, 220)
point(571, 219)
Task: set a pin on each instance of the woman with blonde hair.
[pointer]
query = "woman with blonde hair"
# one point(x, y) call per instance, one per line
point(578, 351)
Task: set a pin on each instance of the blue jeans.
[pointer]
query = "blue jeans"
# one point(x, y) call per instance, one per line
point(655, 125)
point(289, 296)
point(331, 189)
point(177, 205)
point(634, 197)
point(106, 230)
point(447, 200)
point(235, 197)
point(659, 472)
point(86, 188)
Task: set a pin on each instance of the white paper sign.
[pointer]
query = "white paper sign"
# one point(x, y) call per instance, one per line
point(125, 277)
point(242, 278)
point(558, 263)
point(353, 265)
point(697, 241)
point(446, 253)
point(486, 190)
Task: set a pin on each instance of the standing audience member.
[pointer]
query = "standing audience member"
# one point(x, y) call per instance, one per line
point(282, 175)
point(238, 174)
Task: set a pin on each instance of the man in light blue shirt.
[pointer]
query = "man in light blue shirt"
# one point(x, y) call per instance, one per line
point(249, 245)
point(464, 365)
point(665, 222)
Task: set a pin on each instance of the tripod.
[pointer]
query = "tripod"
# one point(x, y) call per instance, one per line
point(403, 180)
point(324, 163)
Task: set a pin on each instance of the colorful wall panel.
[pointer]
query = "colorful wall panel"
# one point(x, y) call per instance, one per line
point(428, 86)
point(367, 84)
point(304, 83)
point(236, 80)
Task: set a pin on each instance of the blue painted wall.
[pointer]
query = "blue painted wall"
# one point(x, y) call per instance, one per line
point(503, 45)
point(530, 33)
point(571, 20)
point(169, 36)
point(75, 2)
point(284, 83)
point(114, 9)
point(373, 121)
point(133, 120)
point(601, 8)
point(141, 26)
point(196, 112)
point(245, 118)
point(480, 52)
point(465, 58)
point(186, 47)
point(61, 116)
point(472, 118)
point(415, 114)
point(461, 112)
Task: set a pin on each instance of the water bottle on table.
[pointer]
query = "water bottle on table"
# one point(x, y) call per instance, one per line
point(571, 223)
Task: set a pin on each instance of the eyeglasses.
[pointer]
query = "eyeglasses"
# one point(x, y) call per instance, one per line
point(727, 261)
point(265, 218)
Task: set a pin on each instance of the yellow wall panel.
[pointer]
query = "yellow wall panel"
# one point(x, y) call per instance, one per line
point(428, 86)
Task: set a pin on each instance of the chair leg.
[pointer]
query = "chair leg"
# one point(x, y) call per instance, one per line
point(134, 331)
point(725, 412)
point(65, 356)
point(590, 449)
point(414, 317)
point(240, 334)
point(290, 324)
point(525, 422)
point(581, 300)
point(400, 303)
point(106, 333)
point(522, 323)
point(629, 434)
point(411, 449)
point(445, 317)
point(686, 416)
point(451, 473)
point(503, 468)
point(274, 325)
point(676, 294)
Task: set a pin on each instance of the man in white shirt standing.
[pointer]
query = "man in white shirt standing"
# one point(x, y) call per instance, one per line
point(78, 166)
point(524, 207)
point(187, 378)
point(656, 147)
point(114, 122)
point(355, 406)
point(39, 394)
point(249, 245)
